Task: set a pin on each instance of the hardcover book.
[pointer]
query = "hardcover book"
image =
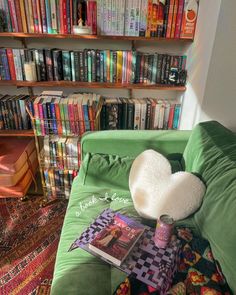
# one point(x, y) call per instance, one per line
point(116, 240)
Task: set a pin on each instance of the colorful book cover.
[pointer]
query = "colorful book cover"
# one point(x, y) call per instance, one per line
point(18, 16)
point(189, 19)
point(149, 19)
point(11, 64)
point(23, 16)
point(8, 16)
point(48, 16)
point(6, 68)
point(175, 11)
point(12, 10)
point(170, 18)
point(179, 19)
point(116, 241)
point(53, 16)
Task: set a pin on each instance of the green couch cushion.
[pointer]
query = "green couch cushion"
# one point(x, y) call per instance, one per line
point(211, 153)
point(112, 171)
point(78, 272)
point(133, 142)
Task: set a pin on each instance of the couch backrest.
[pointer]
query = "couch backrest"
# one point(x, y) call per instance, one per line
point(211, 153)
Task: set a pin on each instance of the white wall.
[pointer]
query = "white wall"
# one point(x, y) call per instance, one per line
point(219, 102)
point(198, 61)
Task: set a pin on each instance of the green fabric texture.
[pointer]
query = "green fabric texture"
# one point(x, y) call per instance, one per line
point(211, 153)
point(103, 182)
point(131, 143)
point(78, 272)
point(112, 171)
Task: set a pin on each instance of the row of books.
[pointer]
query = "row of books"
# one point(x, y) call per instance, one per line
point(91, 65)
point(71, 115)
point(61, 152)
point(13, 114)
point(149, 18)
point(139, 114)
point(58, 182)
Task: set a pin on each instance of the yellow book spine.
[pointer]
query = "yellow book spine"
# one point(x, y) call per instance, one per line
point(119, 66)
point(23, 16)
point(31, 18)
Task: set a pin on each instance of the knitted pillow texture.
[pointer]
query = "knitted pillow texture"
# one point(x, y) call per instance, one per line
point(156, 191)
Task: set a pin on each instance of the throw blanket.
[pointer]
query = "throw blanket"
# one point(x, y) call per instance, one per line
point(198, 272)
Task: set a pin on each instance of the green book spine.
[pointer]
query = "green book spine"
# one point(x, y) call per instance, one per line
point(89, 66)
point(72, 57)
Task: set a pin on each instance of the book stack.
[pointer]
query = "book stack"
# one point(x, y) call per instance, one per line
point(139, 114)
point(63, 153)
point(71, 115)
point(13, 114)
point(145, 18)
point(58, 182)
point(92, 65)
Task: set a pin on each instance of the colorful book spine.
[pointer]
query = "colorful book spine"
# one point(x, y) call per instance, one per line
point(48, 17)
point(179, 18)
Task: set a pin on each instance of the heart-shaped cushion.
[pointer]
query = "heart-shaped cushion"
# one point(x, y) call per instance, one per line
point(156, 191)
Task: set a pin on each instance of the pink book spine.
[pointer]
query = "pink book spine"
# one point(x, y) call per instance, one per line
point(94, 18)
point(12, 8)
point(76, 114)
point(40, 112)
point(35, 16)
point(179, 19)
point(71, 117)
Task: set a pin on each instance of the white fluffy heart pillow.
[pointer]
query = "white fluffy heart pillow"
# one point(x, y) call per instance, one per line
point(156, 191)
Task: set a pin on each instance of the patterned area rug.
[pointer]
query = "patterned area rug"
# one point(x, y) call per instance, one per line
point(29, 237)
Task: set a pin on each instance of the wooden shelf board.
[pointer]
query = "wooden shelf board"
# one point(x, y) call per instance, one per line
point(25, 133)
point(90, 37)
point(70, 84)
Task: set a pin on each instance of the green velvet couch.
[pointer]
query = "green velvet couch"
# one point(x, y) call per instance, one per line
point(209, 150)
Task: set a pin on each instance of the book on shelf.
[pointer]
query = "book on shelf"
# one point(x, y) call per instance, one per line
point(72, 115)
point(143, 18)
point(13, 114)
point(93, 65)
point(116, 241)
point(139, 114)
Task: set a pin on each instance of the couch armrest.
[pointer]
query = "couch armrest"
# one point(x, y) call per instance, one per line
point(132, 143)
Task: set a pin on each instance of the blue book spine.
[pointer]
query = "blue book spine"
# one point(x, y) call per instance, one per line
point(8, 17)
point(86, 118)
point(5, 64)
point(176, 116)
point(54, 121)
point(89, 66)
point(72, 58)
point(48, 15)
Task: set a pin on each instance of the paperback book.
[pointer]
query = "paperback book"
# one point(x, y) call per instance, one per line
point(116, 240)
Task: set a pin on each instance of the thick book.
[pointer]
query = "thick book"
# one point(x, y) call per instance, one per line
point(115, 241)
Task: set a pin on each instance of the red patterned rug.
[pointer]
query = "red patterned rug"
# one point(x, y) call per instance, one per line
point(29, 237)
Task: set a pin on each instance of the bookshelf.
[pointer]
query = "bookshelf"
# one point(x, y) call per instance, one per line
point(71, 84)
point(160, 33)
point(21, 133)
point(93, 37)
